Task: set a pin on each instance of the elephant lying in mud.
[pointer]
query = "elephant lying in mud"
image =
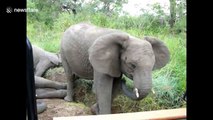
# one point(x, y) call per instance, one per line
point(43, 60)
point(104, 55)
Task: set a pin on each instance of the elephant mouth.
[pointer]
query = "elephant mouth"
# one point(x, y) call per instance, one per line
point(135, 93)
point(130, 76)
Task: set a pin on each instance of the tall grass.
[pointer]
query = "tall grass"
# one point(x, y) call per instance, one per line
point(169, 83)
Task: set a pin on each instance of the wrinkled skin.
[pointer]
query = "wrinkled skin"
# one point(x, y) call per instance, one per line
point(104, 55)
point(43, 60)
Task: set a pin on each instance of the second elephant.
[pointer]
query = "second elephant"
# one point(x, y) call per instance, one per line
point(105, 54)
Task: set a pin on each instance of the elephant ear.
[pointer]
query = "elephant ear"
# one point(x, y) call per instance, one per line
point(161, 52)
point(104, 54)
point(53, 58)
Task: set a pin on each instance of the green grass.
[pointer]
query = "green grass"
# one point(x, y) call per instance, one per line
point(169, 83)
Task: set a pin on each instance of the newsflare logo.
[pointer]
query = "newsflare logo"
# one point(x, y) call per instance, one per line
point(19, 10)
point(9, 10)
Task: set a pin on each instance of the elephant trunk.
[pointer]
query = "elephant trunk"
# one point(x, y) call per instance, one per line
point(142, 85)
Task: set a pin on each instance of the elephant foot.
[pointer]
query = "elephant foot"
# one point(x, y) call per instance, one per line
point(68, 99)
point(94, 109)
point(41, 107)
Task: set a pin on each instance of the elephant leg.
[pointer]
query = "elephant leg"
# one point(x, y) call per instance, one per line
point(115, 91)
point(43, 93)
point(70, 90)
point(103, 86)
point(45, 83)
point(94, 107)
point(70, 80)
point(41, 106)
point(116, 87)
point(94, 87)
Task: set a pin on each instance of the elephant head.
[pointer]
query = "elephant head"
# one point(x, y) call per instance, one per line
point(54, 58)
point(118, 53)
point(43, 60)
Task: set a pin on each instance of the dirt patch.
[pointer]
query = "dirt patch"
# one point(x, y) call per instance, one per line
point(83, 96)
point(59, 108)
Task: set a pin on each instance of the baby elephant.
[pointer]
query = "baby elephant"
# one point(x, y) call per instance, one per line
point(45, 88)
point(44, 60)
point(104, 55)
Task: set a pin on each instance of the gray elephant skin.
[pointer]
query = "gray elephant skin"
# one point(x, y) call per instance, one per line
point(43, 60)
point(104, 55)
point(49, 89)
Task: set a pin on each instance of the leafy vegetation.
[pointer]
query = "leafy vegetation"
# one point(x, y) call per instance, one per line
point(45, 29)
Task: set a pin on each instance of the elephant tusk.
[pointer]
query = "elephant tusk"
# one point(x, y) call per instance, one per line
point(136, 92)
